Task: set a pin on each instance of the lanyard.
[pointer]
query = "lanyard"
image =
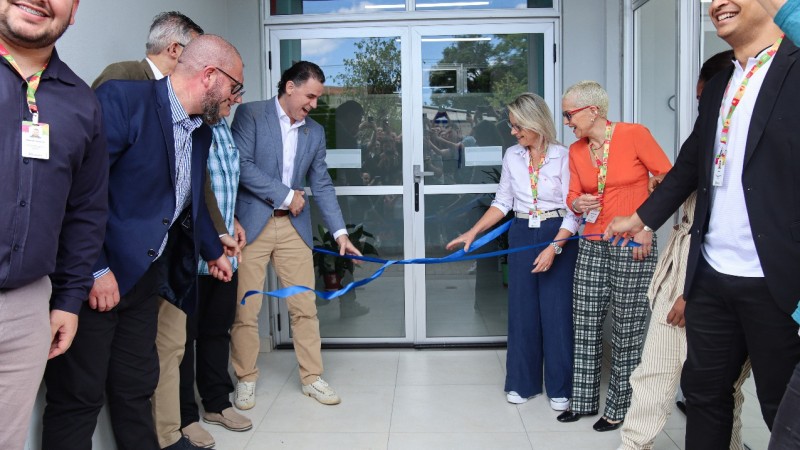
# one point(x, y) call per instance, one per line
point(602, 165)
point(719, 160)
point(534, 174)
point(33, 83)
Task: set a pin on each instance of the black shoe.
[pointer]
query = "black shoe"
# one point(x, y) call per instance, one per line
point(604, 425)
point(572, 416)
point(182, 444)
point(682, 406)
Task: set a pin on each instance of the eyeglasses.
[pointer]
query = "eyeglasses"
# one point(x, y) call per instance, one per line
point(514, 127)
point(569, 114)
point(237, 85)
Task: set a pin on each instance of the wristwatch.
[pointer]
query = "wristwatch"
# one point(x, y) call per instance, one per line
point(646, 228)
point(556, 247)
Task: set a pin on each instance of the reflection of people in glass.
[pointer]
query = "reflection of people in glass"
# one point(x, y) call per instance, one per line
point(348, 120)
point(535, 177)
point(608, 276)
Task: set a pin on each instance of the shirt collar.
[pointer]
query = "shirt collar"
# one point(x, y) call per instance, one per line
point(283, 117)
point(523, 152)
point(157, 73)
point(179, 114)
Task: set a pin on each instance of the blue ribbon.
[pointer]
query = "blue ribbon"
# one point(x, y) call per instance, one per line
point(460, 255)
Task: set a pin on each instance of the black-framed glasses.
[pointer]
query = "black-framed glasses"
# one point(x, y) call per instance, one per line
point(514, 127)
point(238, 86)
point(568, 114)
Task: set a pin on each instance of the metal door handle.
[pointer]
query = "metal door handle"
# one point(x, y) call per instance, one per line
point(419, 173)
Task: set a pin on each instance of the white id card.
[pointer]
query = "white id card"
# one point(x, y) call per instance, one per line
point(533, 220)
point(35, 140)
point(719, 174)
point(593, 215)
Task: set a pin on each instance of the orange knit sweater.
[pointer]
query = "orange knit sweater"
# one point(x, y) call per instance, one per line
point(632, 156)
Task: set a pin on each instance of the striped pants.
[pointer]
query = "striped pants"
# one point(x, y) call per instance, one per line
point(607, 276)
point(655, 382)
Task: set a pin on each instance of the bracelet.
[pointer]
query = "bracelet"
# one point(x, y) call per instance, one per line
point(574, 209)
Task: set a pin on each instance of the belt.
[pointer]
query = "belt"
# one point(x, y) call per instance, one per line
point(280, 212)
point(543, 215)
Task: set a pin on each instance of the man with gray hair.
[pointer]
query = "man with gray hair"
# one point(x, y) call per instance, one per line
point(157, 228)
point(169, 34)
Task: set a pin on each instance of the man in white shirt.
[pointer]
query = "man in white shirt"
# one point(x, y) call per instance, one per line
point(741, 281)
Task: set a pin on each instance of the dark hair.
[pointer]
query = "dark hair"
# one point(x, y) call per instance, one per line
point(715, 65)
point(298, 74)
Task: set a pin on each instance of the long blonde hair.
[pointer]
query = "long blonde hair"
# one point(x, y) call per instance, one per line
point(532, 113)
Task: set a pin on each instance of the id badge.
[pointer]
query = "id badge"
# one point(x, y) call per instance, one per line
point(35, 140)
point(533, 220)
point(719, 174)
point(592, 216)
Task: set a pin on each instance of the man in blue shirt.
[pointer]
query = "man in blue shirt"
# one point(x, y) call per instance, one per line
point(54, 202)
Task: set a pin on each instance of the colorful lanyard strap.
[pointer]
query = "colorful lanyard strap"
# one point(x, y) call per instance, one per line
point(602, 164)
point(33, 82)
point(737, 97)
point(534, 174)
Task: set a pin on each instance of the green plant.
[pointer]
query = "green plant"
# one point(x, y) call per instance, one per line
point(329, 264)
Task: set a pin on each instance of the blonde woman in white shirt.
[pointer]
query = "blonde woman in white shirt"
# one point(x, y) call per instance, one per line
point(535, 177)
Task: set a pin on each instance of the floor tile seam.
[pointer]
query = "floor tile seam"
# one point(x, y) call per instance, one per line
point(677, 444)
point(273, 401)
point(394, 397)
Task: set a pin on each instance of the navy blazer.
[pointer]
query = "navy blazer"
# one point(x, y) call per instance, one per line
point(138, 125)
point(770, 177)
point(257, 131)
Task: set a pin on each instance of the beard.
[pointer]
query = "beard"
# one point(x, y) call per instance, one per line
point(212, 101)
point(19, 37)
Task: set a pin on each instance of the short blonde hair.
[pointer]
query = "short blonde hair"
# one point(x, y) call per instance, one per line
point(589, 93)
point(532, 113)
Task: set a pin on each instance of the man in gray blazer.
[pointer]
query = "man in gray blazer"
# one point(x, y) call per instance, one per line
point(281, 149)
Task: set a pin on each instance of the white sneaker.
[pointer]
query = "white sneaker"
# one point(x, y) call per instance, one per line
point(559, 403)
point(321, 392)
point(515, 398)
point(245, 396)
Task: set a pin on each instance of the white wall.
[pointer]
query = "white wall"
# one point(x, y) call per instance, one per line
point(110, 31)
point(592, 50)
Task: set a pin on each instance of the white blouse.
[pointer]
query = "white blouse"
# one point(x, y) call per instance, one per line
point(514, 189)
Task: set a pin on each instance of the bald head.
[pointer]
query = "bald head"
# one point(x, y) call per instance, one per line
point(208, 50)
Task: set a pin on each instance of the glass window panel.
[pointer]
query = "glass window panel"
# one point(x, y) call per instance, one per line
point(376, 310)
point(466, 298)
point(467, 81)
point(290, 7)
point(361, 107)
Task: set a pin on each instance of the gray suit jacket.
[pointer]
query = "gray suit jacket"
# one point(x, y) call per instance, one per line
point(257, 133)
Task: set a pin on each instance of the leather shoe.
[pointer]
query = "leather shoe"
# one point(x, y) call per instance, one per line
point(603, 424)
point(571, 416)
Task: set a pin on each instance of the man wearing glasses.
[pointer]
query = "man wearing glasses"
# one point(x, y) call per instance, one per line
point(158, 141)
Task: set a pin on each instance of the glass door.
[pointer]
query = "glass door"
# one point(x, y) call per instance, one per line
point(415, 129)
point(461, 86)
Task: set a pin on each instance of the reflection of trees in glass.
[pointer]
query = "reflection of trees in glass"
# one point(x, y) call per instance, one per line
point(372, 77)
point(494, 71)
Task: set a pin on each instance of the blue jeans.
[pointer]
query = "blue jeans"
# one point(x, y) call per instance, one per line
point(540, 338)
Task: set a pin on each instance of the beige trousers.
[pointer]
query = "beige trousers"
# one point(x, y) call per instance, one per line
point(291, 258)
point(170, 344)
point(655, 382)
point(24, 344)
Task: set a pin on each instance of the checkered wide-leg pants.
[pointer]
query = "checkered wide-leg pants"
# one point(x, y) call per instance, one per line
point(607, 276)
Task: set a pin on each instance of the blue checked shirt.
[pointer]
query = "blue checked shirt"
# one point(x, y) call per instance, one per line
point(223, 166)
point(182, 128)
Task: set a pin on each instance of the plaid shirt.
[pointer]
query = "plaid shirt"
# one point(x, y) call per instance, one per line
point(223, 167)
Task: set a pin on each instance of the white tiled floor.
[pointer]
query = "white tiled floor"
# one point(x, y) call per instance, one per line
point(421, 399)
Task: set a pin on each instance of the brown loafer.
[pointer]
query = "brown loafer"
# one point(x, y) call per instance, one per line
point(198, 436)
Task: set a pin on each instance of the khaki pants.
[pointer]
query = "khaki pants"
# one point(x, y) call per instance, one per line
point(291, 257)
point(24, 344)
point(656, 380)
point(170, 344)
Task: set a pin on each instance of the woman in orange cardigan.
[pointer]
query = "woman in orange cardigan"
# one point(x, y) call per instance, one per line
point(610, 165)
